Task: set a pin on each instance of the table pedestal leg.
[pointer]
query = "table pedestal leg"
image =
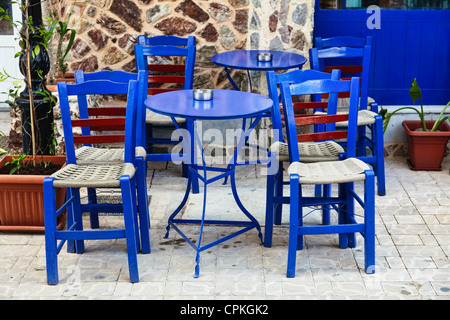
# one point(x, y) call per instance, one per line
point(229, 171)
point(231, 80)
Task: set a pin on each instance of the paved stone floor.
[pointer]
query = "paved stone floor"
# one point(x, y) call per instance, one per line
point(412, 250)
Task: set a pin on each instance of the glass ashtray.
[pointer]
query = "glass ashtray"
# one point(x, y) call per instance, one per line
point(264, 56)
point(203, 94)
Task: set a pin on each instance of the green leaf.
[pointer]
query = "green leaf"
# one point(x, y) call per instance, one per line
point(415, 92)
point(69, 45)
point(36, 50)
point(49, 34)
point(438, 121)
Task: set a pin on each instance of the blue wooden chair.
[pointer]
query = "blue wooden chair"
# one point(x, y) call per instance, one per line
point(343, 172)
point(310, 151)
point(366, 118)
point(74, 176)
point(350, 66)
point(164, 77)
point(89, 154)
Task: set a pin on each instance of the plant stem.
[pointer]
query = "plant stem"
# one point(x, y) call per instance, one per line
point(421, 115)
point(439, 121)
point(28, 52)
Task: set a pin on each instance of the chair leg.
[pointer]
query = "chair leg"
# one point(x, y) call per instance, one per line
point(343, 194)
point(135, 213)
point(144, 218)
point(50, 231)
point(369, 221)
point(92, 198)
point(350, 214)
point(77, 217)
point(268, 229)
point(361, 143)
point(346, 215)
point(279, 194)
point(69, 213)
point(326, 208)
point(379, 154)
point(295, 212)
point(149, 138)
point(129, 211)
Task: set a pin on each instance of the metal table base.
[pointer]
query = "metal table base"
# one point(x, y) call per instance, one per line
point(230, 171)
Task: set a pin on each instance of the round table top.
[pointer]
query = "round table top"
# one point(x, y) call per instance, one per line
point(225, 104)
point(246, 60)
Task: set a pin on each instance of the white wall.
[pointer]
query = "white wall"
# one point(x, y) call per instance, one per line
point(395, 132)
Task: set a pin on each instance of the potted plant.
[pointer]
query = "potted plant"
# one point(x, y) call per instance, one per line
point(22, 206)
point(64, 32)
point(427, 139)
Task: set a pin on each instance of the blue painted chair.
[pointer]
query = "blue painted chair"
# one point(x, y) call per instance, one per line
point(74, 176)
point(366, 118)
point(155, 54)
point(343, 172)
point(310, 151)
point(350, 66)
point(89, 154)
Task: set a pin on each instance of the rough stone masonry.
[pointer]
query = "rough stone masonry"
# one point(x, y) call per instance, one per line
point(107, 29)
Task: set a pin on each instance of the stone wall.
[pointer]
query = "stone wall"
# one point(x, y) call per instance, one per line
point(107, 29)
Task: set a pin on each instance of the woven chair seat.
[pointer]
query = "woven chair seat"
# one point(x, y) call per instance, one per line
point(347, 170)
point(365, 117)
point(309, 151)
point(91, 155)
point(92, 176)
point(344, 103)
point(159, 119)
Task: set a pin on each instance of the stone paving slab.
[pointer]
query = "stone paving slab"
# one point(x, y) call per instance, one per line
point(412, 250)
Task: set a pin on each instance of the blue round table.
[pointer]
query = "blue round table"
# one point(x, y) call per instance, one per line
point(246, 60)
point(226, 104)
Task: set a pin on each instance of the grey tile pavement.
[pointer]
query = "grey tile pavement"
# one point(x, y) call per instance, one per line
point(412, 250)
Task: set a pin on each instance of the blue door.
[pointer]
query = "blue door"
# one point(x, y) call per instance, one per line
point(410, 39)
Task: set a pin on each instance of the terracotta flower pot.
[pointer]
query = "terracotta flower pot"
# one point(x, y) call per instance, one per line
point(426, 149)
point(22, 199)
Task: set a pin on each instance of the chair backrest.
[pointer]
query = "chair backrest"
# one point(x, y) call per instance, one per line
point(318, 58)
point(114, 111)
point(295, 76)
point(342, 41)
point(95, 121)
point(166, 46)
point(333, 88)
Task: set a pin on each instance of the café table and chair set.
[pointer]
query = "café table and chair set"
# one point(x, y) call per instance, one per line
point(329, 154)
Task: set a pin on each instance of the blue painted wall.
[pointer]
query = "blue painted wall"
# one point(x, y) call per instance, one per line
point(410, 44)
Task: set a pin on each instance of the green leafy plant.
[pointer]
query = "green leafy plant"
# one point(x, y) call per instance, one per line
point(415, 94)
point(62, 28)
point(2, 152)
point(34, 38)
point(18, 162)
point(46, 163)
